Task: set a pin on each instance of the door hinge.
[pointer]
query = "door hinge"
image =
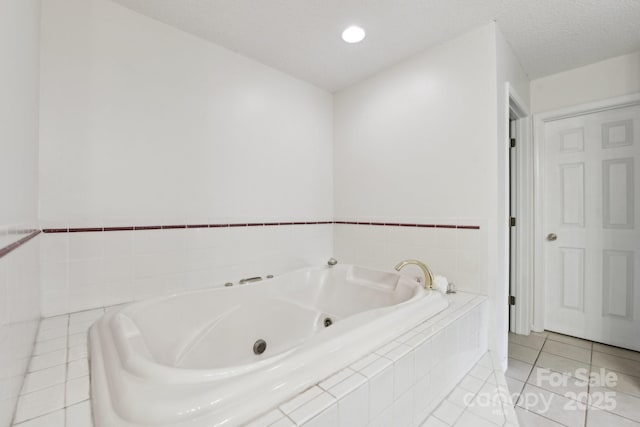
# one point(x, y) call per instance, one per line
point(513, 143)
point(512, 300)
point(512, 221)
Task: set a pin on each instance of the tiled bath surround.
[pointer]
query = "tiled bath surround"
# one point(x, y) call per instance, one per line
point(456, 251)
point(86, 270)
point(399, 384)
point(83, 268)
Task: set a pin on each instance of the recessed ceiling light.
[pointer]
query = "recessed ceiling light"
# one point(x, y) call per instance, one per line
point(353, 34)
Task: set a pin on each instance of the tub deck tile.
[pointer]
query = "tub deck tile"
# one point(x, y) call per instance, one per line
point(336, 378)
point(365, 361)
point(301, 399)
point(348, 385)
point(376, 367)
point(268, 419)
point(314, 407)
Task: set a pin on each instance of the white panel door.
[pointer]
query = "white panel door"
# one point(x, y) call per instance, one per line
point(592, 226)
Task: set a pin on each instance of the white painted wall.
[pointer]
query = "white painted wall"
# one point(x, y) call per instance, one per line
point(606, 79)
point(142, 124)
point(19, 41)
point(508, 70)
point(19, 291)
point(415, 143)
point(425, 142)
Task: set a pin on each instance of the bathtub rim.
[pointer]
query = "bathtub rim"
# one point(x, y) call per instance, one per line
point(299, 380)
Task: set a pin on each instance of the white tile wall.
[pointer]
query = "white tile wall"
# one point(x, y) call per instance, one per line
point(404, 381)
point(19, 316)
point(458, 254)
point(80, 271)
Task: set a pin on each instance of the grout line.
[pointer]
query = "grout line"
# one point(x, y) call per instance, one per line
point(66, 371)
point(527, 382)
point(533, 366)
point(588, 402)
point(617, 355)
point(541, 415)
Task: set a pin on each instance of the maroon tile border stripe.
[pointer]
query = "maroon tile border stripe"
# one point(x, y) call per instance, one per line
point(179, 226)
point(15, 245)
point(253, 224)
point(33, 233)
point(400, 224)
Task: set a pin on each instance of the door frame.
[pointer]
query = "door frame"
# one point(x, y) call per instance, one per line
point(523, 267)
point(539, 122)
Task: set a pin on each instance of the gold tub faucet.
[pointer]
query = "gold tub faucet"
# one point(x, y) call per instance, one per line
point(428, 275)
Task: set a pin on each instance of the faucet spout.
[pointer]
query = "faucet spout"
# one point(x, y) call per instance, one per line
point(428, 275)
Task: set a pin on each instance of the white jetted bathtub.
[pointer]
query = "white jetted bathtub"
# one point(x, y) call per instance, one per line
point(191, 359)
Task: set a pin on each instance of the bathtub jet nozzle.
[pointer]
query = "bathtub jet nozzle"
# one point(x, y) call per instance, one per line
point(259, 346)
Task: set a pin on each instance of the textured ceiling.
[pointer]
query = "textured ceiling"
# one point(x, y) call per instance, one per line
point(302, 37)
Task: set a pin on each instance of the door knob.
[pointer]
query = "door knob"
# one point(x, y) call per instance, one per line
point(551, 237)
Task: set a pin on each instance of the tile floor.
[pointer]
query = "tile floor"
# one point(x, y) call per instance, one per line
point(55, 392)
point(481, 399)
point(547, 377)
point(545, 381)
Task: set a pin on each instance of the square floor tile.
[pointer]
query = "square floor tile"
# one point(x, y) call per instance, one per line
point(461, 397)
point(48, 360)
point(518, 370)
point(600, 418)
point(77, 368)
point(616, 351)
point(532, 341)
point(49, 334)
point(471, 383)
point(515, 388)
point(77, 390)
point(448, 412)
point(39, 403)
point(553, 406)
point(43, 347)
point(54, 322)
point(79, 415)
point(578, 342)
point(531, 419)
point(569, 351)
point(616, 363)
point(561, 364)
point(53, 419)
point(434, 422)
point(523, 353)
point(78, 339)
point(80, 328)
point(480, 372)
point(45, 378)
point(618, 403)
point(469, 419)
point(86, 316)
point(602, 377)
point(78, 352)
point(571, 387)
